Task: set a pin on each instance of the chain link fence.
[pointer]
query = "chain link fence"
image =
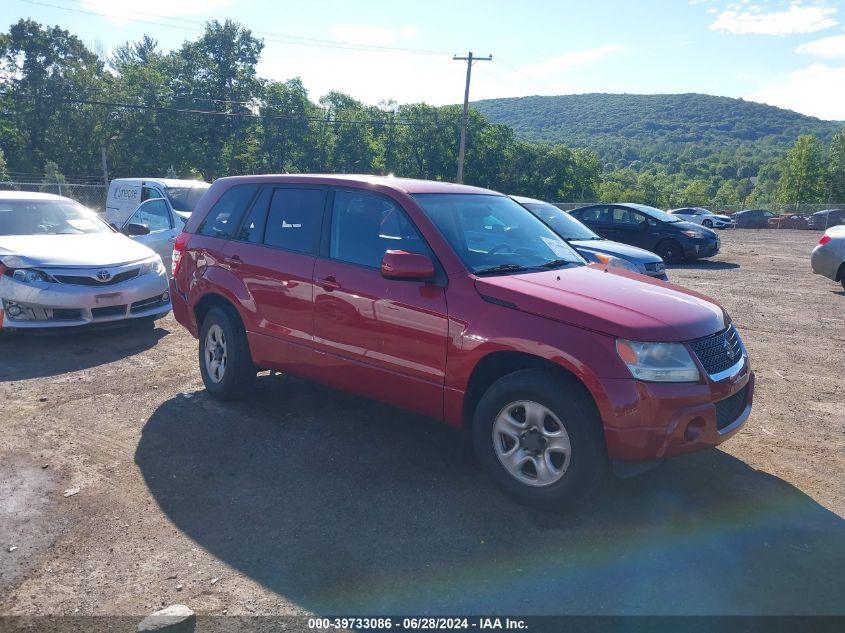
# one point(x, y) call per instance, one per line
point(89, 195)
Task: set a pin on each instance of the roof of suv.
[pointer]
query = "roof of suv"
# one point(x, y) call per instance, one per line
point(405, 185)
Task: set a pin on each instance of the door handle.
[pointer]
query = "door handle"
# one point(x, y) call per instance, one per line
point(329, 283)
point(234, 261)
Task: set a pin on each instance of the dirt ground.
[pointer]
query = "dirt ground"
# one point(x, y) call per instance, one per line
point(307, 500)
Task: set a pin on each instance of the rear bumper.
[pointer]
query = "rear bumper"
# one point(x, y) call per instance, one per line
point(653, 421)
point(184, 315)
point(55, 305)
point(826, 259)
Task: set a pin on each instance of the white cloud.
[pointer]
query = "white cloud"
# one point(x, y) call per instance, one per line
point(371, 76)
point(829, 47)
point(373, 35)
point(796, 19)
point(814, 90)
point(126, 11)
point(552, 66)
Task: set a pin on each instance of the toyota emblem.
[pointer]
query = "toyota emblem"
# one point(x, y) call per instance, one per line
point(104, 275)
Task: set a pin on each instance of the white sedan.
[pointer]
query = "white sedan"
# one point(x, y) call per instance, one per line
point(704, 217)
point(61, 265)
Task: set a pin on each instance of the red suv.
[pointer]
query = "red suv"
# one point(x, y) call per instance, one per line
point(457, 303)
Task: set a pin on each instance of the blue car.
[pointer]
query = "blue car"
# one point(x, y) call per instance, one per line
point(593, 247)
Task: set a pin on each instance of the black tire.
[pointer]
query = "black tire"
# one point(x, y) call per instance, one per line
point(670, 252)
point(842, 275)
point(238, 374)
point(588, 455)
point(707, 223)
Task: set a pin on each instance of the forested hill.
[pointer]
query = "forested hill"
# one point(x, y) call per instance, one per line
point(637, 126)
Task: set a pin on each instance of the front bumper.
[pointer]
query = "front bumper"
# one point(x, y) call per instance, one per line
point(50, 305)
point(827, 258)
point(705, 247)
point(652, 421)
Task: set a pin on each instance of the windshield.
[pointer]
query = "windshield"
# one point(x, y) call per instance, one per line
point(186, 198)
point(48, 217)
point(657, 214)
point(563, 224)
point(495, 235)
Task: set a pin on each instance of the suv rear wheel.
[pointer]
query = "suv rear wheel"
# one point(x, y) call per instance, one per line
point(539, 439)
point(225, 362)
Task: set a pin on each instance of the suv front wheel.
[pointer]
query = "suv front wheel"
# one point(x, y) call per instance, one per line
point(225, 362)
point(539, 440)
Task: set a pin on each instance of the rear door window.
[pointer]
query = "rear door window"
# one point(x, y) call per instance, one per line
point(293, 222)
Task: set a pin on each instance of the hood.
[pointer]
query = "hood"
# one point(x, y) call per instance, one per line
point(615, 303)
point(617, 249)
point(692, 226)
point(723, 217)
point(71, 251)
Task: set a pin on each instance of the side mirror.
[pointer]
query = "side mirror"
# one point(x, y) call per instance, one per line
point(136, 229)
point(406, 266)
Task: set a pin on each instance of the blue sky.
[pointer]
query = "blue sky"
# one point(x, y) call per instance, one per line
point(789, 54)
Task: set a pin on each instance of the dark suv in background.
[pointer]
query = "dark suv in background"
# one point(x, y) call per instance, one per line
point(652, 229)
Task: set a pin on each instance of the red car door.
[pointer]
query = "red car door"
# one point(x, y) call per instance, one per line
point(383, 338)
point(273, 255)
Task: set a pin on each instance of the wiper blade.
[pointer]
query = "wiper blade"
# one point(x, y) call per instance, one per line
point(501, 268)
point(556, 263)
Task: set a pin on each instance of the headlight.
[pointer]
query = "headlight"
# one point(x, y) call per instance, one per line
point(693, 234)
point(30, 275)
point(152, 265)
point(617, 262)
point(657, 362)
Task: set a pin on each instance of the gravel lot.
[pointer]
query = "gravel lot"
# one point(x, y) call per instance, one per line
point(307, 500)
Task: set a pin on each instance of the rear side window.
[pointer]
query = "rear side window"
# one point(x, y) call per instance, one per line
point(293, 222)
point(224, 216)
point(252, 228)
point(593, 214)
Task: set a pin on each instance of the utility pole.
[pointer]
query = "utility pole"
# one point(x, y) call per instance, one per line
point(105, 165)
point(462, 148)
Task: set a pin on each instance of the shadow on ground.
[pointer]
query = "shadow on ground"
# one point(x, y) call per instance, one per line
point(344, 506)
point(50, 352)
point(703, 264)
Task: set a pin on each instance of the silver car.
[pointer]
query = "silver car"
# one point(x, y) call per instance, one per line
point(828, 258)
point(61, 265)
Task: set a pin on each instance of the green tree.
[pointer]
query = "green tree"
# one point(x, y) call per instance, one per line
point(802, 177)
point(46, 71)
point(53, 180)
point(4, 172)
point(836, 169)
point(217, 73)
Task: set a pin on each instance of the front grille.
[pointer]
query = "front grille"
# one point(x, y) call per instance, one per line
point(80, 280)
point(719, 351)
point(729, 409)
point(148, 304)
point(108, 311)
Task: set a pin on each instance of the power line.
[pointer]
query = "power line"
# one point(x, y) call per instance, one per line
point(282, 38)
point(249, 115)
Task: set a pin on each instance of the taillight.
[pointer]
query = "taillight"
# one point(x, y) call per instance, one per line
point(179, 247)
point(825, 239)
